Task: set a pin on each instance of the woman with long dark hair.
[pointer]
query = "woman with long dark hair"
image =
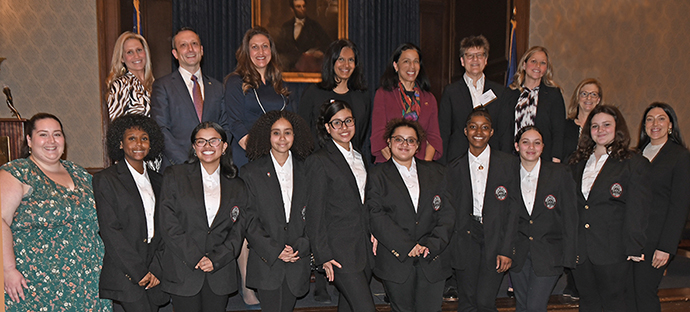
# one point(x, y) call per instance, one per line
point(661, 143)
point(613, 196)
point(276, 180)
point(337, 220)
point(404, 93)
point(201, 213)
point(342, 78)
point(126, 195)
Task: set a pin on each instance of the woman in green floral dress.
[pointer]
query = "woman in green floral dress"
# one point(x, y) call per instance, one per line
point(49, 216)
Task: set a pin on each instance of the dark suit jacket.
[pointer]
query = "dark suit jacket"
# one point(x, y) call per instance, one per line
point(188, 238)
point(268, 231)
point(571, 135)
point(499, 215)
point(122, 221)
point(455, 106)
point(399, 228)
point(550, 120)
point(173, 109)
point(337, 221)
point(360, 101)
point(312, 36)
point(670, 183)
point(549, 233)
point(612, 221)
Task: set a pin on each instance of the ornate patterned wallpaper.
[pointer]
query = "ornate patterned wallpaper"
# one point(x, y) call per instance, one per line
point(51, 48)
point(638, 49)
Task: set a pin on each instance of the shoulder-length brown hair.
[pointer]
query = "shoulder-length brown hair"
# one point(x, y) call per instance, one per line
point(574, 106)
point(251, 79)
point(618, 149)
point(519, 77)
point(117, 63)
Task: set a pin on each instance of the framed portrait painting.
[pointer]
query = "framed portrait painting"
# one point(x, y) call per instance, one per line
point(302, 31)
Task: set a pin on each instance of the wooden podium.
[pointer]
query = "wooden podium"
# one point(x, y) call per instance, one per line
point(11, 136)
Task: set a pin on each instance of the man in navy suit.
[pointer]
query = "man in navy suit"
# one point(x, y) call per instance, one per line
point(184, 98)
point(460, 97)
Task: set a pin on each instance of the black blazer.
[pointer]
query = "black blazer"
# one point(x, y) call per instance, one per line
point(188, 238)
point(499, 212)
point(670, 182)
point(549, 233)
point(612, 221)
point(399, 228)
point(268, 231)
point(571, 136)
point(550, 120)
point(337, 221)
point(122, 221)
point(360, 101)
point(455, 106)
point(173, 109)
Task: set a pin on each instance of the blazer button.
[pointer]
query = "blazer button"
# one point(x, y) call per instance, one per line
point(468, 232)
point(145, 240)
point(531, 238)
point(586, 206)
point(587, 226)
point(531, 222)
point(209, 232)
point(285, 228)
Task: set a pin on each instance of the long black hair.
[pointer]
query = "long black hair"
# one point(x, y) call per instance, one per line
point(674, 136)
point(116, 132)
point(328, 110)
point(259, 140)
point(389, 79)
point(30, 126)
point(227, 166)
point(328, 78)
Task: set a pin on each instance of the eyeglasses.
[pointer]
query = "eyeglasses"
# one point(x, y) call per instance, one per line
point(399, 140)
point(202, 142)
point(337, 123)
point(585, 94)
point(479, 56)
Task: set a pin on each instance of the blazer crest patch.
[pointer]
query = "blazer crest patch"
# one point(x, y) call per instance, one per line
point(501, 193)
point(304, 213)
point(616, 190)
point(437, 203)
point(550, 201)
point(235, 213)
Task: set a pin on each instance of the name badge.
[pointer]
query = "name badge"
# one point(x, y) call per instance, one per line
point(487, 97)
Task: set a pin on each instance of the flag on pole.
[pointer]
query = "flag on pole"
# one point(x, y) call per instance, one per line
point(512, 60)
point(137, 17)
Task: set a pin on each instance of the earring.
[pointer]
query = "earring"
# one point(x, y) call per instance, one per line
point(29, 150)
point(670, 131)
point(123, 70)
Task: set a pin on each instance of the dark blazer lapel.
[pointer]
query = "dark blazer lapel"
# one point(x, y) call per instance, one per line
point(273, 187)
point(495, 174)
point(343, 166)
point(467, 193)
point(663, 151)
point(425, 193)
point(224, 211)
point(544, 183)
point(181, 88)
point(209, 96)
point(602, 177)
point(394, 177)
point(579, 170)
point(130, 185)
point(298, 184)
point(523, 212)
point(196, 189)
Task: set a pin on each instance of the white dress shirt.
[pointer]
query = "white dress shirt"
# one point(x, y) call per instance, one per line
point(411, 179)
point(211, 193)
point(299, 23)
point(187, 78)
point(475, 92)
point(478, 177)
point(148, 198)
point(354, 159)
point(285, 178)
point(589, 175)
point(528, 185)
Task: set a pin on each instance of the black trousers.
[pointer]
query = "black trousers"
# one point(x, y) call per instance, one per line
point(532, 292)
point(643, 284)
point(416, 294)
point(602, 287)
point(280, 299)
point(479, 283)
point(140, 305)
point(204, 301)
point(355, 293)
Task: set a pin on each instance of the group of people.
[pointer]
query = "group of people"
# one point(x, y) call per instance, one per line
point(420, 194)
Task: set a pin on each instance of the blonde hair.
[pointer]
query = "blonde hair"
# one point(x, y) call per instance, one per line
point(574, 106)
point(519, 77)
point(117, 65)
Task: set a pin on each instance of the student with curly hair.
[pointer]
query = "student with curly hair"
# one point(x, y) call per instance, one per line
point(613, 195)
point(278, 265)
point(126, 194)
